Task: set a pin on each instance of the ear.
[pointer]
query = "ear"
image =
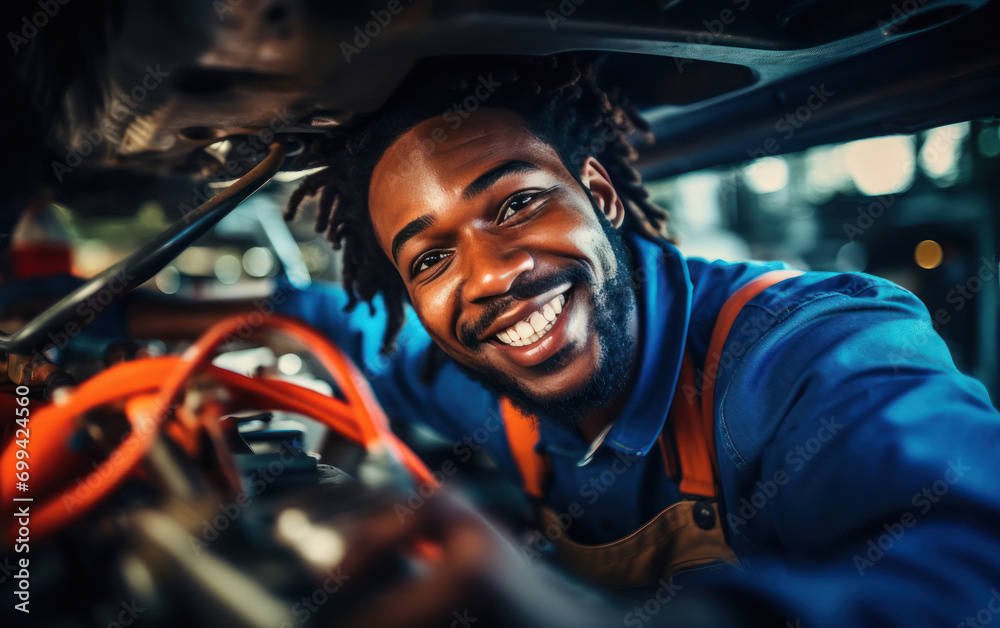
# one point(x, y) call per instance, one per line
point(595, 178)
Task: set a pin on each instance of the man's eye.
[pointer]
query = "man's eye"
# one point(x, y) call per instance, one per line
point(516, 203)
point(427, 260)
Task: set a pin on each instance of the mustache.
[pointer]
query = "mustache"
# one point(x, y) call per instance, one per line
point(523, 289)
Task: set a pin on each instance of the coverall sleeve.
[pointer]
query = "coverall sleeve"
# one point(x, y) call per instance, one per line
point(399, 380)
point(853, 450)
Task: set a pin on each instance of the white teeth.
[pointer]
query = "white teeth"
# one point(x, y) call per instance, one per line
point(535, 327)
point(549, 313)
point(537, 321)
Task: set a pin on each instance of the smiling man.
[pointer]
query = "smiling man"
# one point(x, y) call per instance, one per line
point(668, 414)
point(512, 271)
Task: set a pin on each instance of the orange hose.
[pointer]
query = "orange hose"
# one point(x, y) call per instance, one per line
point(76, 500)
point(152, 385)
point(52, 425)
point(352, 384)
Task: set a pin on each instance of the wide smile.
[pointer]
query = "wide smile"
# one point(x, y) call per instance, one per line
point(534, 327)
point(540, 334)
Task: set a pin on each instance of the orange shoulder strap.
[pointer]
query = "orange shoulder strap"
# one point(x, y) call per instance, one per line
point(694, 425)
point(522, 436)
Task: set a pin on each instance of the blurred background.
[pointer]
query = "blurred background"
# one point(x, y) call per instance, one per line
point(915, 209)
point(122, 116)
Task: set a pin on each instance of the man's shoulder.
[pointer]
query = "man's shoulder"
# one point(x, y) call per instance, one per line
point(713, 282)
point(821, 304)
point(716, 281)
point(817, 345)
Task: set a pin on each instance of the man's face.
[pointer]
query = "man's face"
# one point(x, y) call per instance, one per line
point(508, 265)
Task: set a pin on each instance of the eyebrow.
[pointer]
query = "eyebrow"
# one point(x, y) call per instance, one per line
point(411, 230)
point(488, 178)
point(477, 187)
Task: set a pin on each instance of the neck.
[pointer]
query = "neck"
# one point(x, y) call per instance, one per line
point(596, 419)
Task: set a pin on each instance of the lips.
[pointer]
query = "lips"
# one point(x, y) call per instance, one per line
point(537, 347)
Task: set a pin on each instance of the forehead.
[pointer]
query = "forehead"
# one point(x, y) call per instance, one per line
point(434, 161)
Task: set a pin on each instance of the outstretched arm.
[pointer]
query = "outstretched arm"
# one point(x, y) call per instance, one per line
point(860, 467)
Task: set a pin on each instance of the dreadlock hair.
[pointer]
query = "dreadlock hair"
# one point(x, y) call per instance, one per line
point(558, 98)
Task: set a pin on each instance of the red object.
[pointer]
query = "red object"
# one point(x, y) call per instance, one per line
point(36, 259)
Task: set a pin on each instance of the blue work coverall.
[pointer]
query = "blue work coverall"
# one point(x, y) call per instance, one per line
point(860, 471)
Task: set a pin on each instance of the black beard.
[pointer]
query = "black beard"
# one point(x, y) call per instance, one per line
point(612, 306)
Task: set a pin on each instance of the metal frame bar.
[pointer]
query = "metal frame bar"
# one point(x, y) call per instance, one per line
point(119, 279)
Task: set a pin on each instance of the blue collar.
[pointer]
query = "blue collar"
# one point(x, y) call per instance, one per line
point(664, 303)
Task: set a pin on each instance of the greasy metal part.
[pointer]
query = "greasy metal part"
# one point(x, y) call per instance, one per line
point(174, 474)
point(26, 370)
point(917, 87)
point(125, 92)
point(68, 315)
point(215, 591)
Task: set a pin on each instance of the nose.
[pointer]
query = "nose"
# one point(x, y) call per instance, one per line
point(494, 269)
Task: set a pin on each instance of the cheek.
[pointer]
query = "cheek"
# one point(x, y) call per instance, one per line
point(575, 235)
point(435, 305)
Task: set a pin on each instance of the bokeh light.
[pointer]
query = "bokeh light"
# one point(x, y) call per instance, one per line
point(765, 175)
point(928, 254)
point(882, 165)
